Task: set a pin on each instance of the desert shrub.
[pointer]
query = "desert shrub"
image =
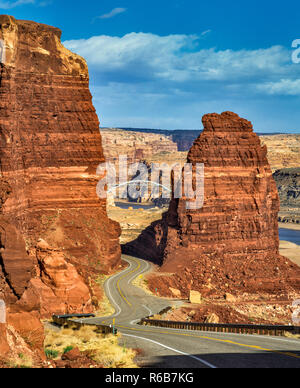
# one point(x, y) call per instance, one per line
point(291, 335)
point(104, 349)
point(67, 349)
point(23, 361)
point(51, 354)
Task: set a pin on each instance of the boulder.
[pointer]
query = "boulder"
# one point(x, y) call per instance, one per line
point(212, 318)
point(175, 292)
point(230, 298)
point(195, 297)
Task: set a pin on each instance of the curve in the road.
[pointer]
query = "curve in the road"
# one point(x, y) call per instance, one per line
point(174, 350)
point(131, 303)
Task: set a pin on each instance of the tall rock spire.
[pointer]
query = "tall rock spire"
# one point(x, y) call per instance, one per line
point(54, 230)
point(232, 242)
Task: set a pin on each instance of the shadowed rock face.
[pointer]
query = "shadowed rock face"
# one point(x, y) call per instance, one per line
point(50, 147)
point(233, 240)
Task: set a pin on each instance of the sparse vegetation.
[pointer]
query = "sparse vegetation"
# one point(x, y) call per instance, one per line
point(142, 283)
point(105, 308)
point(290, 335)
point(23, 361)
point(103, 349)
point(51, 354)
point(68, 349)
point(133, 221)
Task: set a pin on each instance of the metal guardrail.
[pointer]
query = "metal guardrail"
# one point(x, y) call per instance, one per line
point(75, 320)
point(70, 316)
point(273, 330)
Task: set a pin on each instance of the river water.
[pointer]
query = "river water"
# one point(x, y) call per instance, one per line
point(290, 235)
point(133, 205)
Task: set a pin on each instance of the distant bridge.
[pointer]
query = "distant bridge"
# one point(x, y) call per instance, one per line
point(139, 181)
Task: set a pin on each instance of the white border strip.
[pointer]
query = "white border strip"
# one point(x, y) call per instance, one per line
point(173, 350)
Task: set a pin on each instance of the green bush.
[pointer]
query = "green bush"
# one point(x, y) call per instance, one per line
point(68, 349)
point(51, 354)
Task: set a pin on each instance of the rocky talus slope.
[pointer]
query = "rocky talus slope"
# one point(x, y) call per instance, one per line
point(231, 244)
point(54, 230)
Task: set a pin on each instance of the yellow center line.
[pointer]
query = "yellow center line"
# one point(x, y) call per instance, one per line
point(123, 277)
point(288, 354)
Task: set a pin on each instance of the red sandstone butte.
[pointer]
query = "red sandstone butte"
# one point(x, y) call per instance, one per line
point(232, 243)
point(54, 230)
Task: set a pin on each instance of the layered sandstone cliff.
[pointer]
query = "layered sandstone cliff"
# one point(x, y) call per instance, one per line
point(232, 242)
point(55, 233)
point(283, 150)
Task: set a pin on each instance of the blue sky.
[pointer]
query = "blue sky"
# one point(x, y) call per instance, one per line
point(163, 64)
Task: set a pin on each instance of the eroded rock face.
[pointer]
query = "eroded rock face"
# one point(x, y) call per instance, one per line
point(4, 347)
point(232, 243)
point(241, 202)
point(51, 146)
point(49, 151)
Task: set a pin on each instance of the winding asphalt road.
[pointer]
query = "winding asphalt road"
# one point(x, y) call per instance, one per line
point(182, 348)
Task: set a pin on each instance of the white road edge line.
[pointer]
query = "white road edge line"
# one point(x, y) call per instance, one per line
point(119, 310)
point(173, 350)
point(134, 322)
point(117, 307)
point(147, 308)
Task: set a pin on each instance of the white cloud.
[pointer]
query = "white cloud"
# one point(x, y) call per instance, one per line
point(142, 78)
point(13, 4)
point(17, 3)
point(112, 13)
point(178, 58)
point(285, 87)
point(207, 32)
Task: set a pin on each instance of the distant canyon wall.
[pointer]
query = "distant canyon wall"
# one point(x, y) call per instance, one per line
point(288, 184)
point(137, 146)
point(161, 147)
